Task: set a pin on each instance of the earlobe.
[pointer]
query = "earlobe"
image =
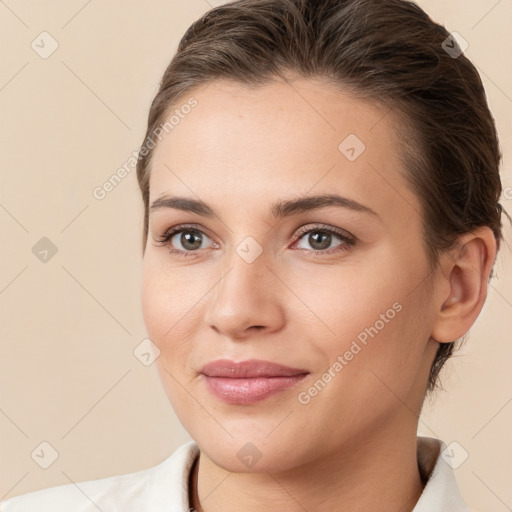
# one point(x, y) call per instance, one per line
point(467, 269)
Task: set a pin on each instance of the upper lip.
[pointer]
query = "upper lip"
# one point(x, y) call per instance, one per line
point(249, 369)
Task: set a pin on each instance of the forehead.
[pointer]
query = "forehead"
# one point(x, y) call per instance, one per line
point(254, 144)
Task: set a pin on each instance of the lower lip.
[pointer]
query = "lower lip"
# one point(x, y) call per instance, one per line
point(249, 391)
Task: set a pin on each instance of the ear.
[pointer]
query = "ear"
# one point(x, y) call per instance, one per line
point(465, 274)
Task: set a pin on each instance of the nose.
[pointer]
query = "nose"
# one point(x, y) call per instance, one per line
point(247, 300)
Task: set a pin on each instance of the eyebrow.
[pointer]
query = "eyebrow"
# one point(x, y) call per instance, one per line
point(278, 210)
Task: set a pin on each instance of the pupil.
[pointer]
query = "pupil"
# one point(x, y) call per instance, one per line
point(190, 240)
point(319, 240)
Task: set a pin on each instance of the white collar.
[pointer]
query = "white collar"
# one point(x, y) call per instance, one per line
point(165, 487)
point(441, 492)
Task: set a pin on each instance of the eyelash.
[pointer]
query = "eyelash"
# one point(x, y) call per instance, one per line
point(348, 240)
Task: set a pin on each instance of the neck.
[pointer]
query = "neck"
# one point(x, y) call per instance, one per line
point(365, 474)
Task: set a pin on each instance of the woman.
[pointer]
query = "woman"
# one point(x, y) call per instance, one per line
point(321, 184)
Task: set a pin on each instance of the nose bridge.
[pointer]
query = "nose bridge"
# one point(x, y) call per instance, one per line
point(245, 296)
point(244, 282)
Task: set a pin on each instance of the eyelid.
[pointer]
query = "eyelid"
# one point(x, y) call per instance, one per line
point(173, 230)
point(345, 235)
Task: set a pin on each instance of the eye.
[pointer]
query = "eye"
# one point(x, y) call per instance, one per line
point(184, 240)
point(322, 239)
point(187, 240)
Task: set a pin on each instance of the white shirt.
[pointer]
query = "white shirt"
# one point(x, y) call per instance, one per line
point(164, 487)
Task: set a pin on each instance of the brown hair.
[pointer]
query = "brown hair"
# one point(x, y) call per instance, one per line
point(388, 51)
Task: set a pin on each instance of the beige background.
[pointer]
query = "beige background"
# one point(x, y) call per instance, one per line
point(68, 375)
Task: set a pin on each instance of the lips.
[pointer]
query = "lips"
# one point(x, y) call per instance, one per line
point(249, 369)
point(248, 382)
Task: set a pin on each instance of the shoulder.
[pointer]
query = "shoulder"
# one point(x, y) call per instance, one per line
point(84, 496)
point(156, 488)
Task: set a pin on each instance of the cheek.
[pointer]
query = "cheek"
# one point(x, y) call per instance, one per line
point(170, 305)
point(379, 352)
point(350, 300)
point(376, 317)
point(170, 311)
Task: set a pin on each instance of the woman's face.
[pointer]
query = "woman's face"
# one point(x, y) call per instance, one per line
point(338, 291)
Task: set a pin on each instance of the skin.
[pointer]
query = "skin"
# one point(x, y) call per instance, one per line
point(240, 151)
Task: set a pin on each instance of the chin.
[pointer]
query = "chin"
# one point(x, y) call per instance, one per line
point(256, 456)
